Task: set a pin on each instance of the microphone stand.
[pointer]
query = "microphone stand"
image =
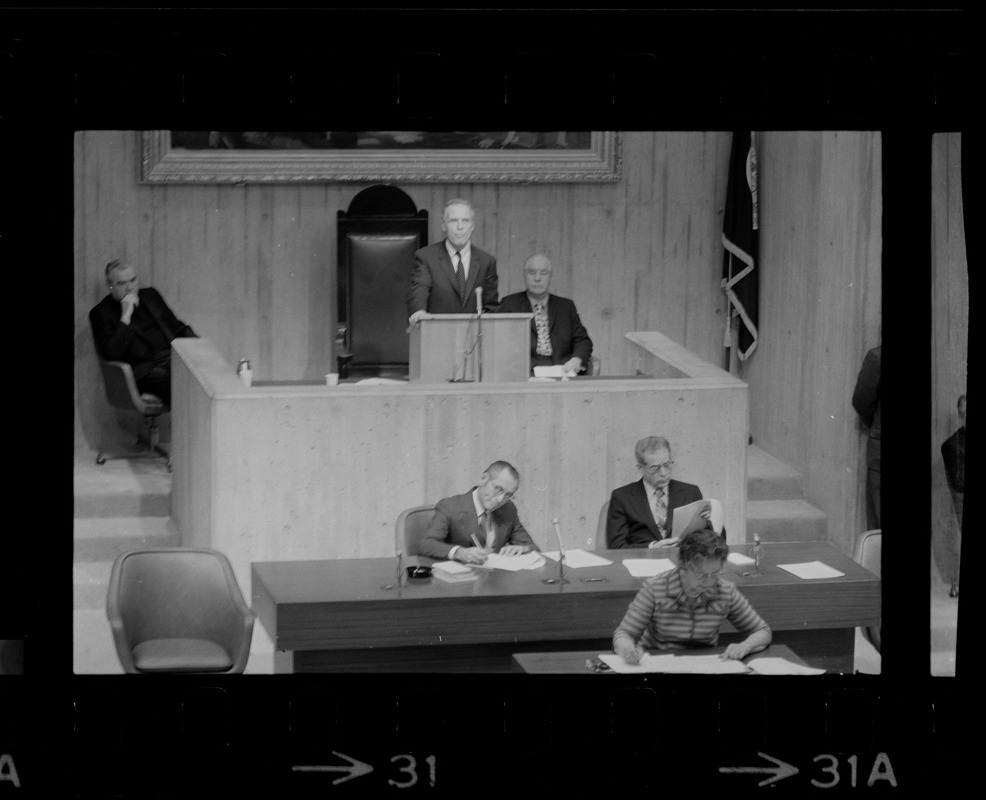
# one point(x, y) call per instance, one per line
point(561, 557)
point(479, 335)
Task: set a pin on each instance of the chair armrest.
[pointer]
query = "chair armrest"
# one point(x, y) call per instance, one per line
point(121, 389)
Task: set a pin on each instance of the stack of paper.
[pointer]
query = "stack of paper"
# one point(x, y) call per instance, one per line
point(453, 572)
point(647, 567)
point(811, 570)
point(579, 558)
point(689, 517)
point(531, 560)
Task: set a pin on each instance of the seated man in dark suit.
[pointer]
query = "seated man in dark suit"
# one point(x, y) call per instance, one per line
point(484, 514)
point(135, 325)
point(557, 334)
point(641, 514)
point(446, 274)
point(953, 454)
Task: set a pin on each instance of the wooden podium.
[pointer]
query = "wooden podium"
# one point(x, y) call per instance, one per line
point(493, 348)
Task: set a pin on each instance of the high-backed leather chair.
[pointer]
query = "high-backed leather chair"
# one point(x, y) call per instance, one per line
point(410, 526)
point(377, 238)
point(178, 610)
point(122, 393)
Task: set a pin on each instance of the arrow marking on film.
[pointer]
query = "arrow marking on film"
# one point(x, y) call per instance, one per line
point(780, 771)
point(355, 768)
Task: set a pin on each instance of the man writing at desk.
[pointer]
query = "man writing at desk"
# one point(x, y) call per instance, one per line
point(641, 513)
point(446, 274)
point(136, 326)
point(483, 520)
point(557, 334)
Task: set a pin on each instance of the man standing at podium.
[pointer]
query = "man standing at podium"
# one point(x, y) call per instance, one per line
point(446, 274)
point(483, 520)
point(557, 334)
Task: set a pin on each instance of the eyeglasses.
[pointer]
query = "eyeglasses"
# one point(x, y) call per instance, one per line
point(704, 576)
point(498, 492)
point(653, 469)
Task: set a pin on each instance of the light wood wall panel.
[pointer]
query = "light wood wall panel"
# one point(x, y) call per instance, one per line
point(820, 250)
point(253, 267)
point(950, 335)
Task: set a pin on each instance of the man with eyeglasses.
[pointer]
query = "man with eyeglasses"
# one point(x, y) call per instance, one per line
point(686, 606)
point(641, 513)
point(557, 334)
point(484, 520)
point(136, 326)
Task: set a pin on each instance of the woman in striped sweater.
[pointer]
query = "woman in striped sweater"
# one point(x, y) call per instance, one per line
point(685, 606)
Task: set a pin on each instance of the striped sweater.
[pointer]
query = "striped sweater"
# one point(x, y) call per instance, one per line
point(660, 615)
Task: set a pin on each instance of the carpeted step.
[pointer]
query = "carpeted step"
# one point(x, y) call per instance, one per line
point(103, 539)
point(785, 521)
point(769, 478)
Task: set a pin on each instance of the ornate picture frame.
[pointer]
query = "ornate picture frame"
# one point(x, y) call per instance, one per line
point(162, 163)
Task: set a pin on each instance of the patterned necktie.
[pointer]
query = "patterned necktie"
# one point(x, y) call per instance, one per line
point(486, 529)
point(660, 509)
point(541, 323)
point(460, 276)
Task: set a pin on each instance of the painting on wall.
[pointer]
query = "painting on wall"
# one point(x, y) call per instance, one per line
point(398, 156)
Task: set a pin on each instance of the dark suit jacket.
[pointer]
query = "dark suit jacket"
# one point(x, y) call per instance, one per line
point(455, 522)
point(433, 287)
point(118, 342)
point(630, 522)
point(569, 337)
point(953, 454)
point(866, 401)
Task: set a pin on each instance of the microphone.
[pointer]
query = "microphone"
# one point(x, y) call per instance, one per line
point(561, 556)
point(479, 300)
point(479, 334)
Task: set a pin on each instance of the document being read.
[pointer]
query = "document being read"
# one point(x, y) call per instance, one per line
point(682, 664)
point(531, 560)
point(689, 518)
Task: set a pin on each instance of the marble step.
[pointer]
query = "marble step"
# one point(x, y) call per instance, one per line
point(769, 478)
point(104, 538)
point(785, 521)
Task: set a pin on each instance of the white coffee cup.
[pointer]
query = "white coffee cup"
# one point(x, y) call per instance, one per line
point(332, 379)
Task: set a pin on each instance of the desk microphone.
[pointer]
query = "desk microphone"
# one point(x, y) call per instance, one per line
point(479, 334)
point(561, 555)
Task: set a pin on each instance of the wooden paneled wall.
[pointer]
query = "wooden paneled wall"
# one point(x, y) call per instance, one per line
point(950, 335)
point(820, 285)
point(253, 268)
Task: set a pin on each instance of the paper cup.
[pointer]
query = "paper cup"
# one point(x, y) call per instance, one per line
point(332, 379)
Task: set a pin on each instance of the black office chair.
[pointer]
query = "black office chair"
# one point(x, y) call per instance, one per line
point(867, 554)
point(410, 526)
point(122, 393)
point(377, 238)
point(178, 610)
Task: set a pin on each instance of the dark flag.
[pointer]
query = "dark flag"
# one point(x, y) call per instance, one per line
point(740, 234)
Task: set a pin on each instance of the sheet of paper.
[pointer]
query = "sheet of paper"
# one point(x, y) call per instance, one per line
point(647, 567)
point(450, 567)
point(554, 371)
point(579, 558)
point(532, 560)
point(681, 664)
point(812, 570)
point(689, 517)
point(771, 665)
point(738, 558)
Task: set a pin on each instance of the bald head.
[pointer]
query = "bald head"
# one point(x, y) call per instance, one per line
point(537, 275)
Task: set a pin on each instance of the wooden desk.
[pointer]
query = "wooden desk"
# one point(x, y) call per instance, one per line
point(352, 615)
point(573, 663)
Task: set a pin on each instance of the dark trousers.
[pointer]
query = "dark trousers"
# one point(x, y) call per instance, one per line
point(158, 380)
point(872, 499)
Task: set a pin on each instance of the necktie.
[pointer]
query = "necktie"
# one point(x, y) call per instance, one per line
point(541, 323)
point(486, 529)
point(460, 275)
point(660, 508)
